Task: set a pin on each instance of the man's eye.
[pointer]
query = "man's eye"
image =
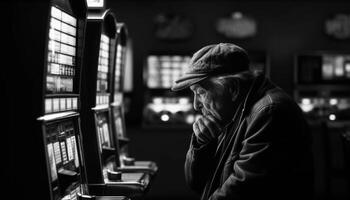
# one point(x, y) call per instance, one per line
point(200, 92)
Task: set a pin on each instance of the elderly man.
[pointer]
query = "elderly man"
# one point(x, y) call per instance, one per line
point(251, 140)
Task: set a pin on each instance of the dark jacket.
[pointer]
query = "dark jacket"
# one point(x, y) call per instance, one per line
point(263, 153)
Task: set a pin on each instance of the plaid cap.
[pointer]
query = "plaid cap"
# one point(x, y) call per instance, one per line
point(211, 60)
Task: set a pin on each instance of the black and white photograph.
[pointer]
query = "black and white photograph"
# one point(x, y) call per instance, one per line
point(176, 99)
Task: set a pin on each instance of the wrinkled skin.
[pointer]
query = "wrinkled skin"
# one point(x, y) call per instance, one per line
point(216, 105)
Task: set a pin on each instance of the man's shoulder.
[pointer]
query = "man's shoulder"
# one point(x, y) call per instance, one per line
point(275, 98)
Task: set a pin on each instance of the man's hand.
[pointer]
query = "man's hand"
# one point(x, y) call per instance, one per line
point(206, 129)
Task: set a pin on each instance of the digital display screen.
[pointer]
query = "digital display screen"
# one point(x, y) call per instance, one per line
point(347, 68)
point(325, 68)
point(118, 122)
point(51, 156)
point(103, 65)
point(104, 135)
point(119, 67)
point(62, 154)
point(335, 67)
point(95, 3)
point(61, 64)
point(163, 70)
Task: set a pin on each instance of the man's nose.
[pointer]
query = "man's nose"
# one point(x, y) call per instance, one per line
point(196, 104)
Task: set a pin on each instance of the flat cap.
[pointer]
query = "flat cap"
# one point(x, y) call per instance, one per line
point(211, 60)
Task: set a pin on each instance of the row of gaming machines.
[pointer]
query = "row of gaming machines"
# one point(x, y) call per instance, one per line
point(68, 124)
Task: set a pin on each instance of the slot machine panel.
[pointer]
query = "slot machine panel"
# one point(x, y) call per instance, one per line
point(117, 105)
point(126, 163)
point(322, 85)
point(120, 59)
point(163, 70)
point(65, 164)
point(47, 43)
point(96, 78)
point(106, 141)
point(163, 108)
point(101, 152)
point(323, 68)
point(322, 91)
point(63, 58)
point(119, 123)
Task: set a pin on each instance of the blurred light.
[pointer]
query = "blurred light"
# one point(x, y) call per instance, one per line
point(197, 116)
point(157, 101)
point(305, 101)
point(190, 119)
point(164, 117)
point(184, 100)
point(237, 15)
point(332, 117)
point(306, 105)
point(53, 46)
point(333, 101)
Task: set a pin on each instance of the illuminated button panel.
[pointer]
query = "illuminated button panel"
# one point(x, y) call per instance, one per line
point(163, 70)
point(64, 162)
point(102, 99)
point(60, 104)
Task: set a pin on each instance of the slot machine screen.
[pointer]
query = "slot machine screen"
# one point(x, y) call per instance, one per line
point(63, 157)
point(104, 136)
point(323, 69)
point(335, 67)
point(119, 122)
point(163, 70)
point(61, 62)
point(118, 73)
point(102, 89)
point(95, 3)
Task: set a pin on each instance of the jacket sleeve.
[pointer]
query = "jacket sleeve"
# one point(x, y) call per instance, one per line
point(264, 154)
point(199, 163)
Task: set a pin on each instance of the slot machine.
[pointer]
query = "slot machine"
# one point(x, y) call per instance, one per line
point(322, 90)
point(163, 108)
point(322, 85)
point(48, 157)
point(100, 145)
point(126, 163)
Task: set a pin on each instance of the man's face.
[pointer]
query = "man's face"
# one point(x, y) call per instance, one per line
point(213, 99)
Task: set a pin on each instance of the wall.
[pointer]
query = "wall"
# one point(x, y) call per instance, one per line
point(284, 29)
